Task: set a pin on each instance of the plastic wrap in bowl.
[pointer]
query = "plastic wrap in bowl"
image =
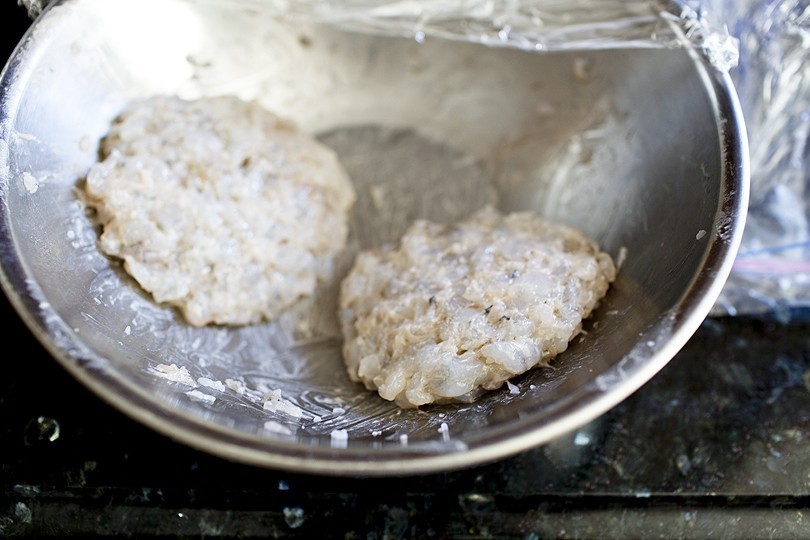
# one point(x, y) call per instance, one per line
point(643, 149)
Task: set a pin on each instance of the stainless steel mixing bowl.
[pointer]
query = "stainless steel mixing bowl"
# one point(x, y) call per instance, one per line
point(643, 149)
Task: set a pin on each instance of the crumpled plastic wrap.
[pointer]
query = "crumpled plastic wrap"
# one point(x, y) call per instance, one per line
point(542, 25)
point(772, 270)
point(763, 44)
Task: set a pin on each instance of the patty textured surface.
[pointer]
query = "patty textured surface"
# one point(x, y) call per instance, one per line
point(219, 207)
point(455, 310)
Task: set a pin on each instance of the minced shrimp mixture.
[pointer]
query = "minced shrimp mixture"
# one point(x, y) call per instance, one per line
point(455, 310)
point(219, 207)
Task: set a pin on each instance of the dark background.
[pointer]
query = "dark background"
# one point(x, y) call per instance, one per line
point(716, 446)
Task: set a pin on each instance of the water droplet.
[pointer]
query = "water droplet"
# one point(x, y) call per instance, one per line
point(42, 429)
point(294, 517)
point(683, 463)
point(582, 439)
point(22, 512)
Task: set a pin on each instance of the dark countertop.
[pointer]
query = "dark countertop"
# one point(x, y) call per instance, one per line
point(716, 446)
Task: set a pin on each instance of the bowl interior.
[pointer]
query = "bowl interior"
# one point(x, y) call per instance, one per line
point(634, 147)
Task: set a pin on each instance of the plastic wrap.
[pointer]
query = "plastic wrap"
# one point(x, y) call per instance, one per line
point(772, 270)
point(764, 45)
point(542, 25)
